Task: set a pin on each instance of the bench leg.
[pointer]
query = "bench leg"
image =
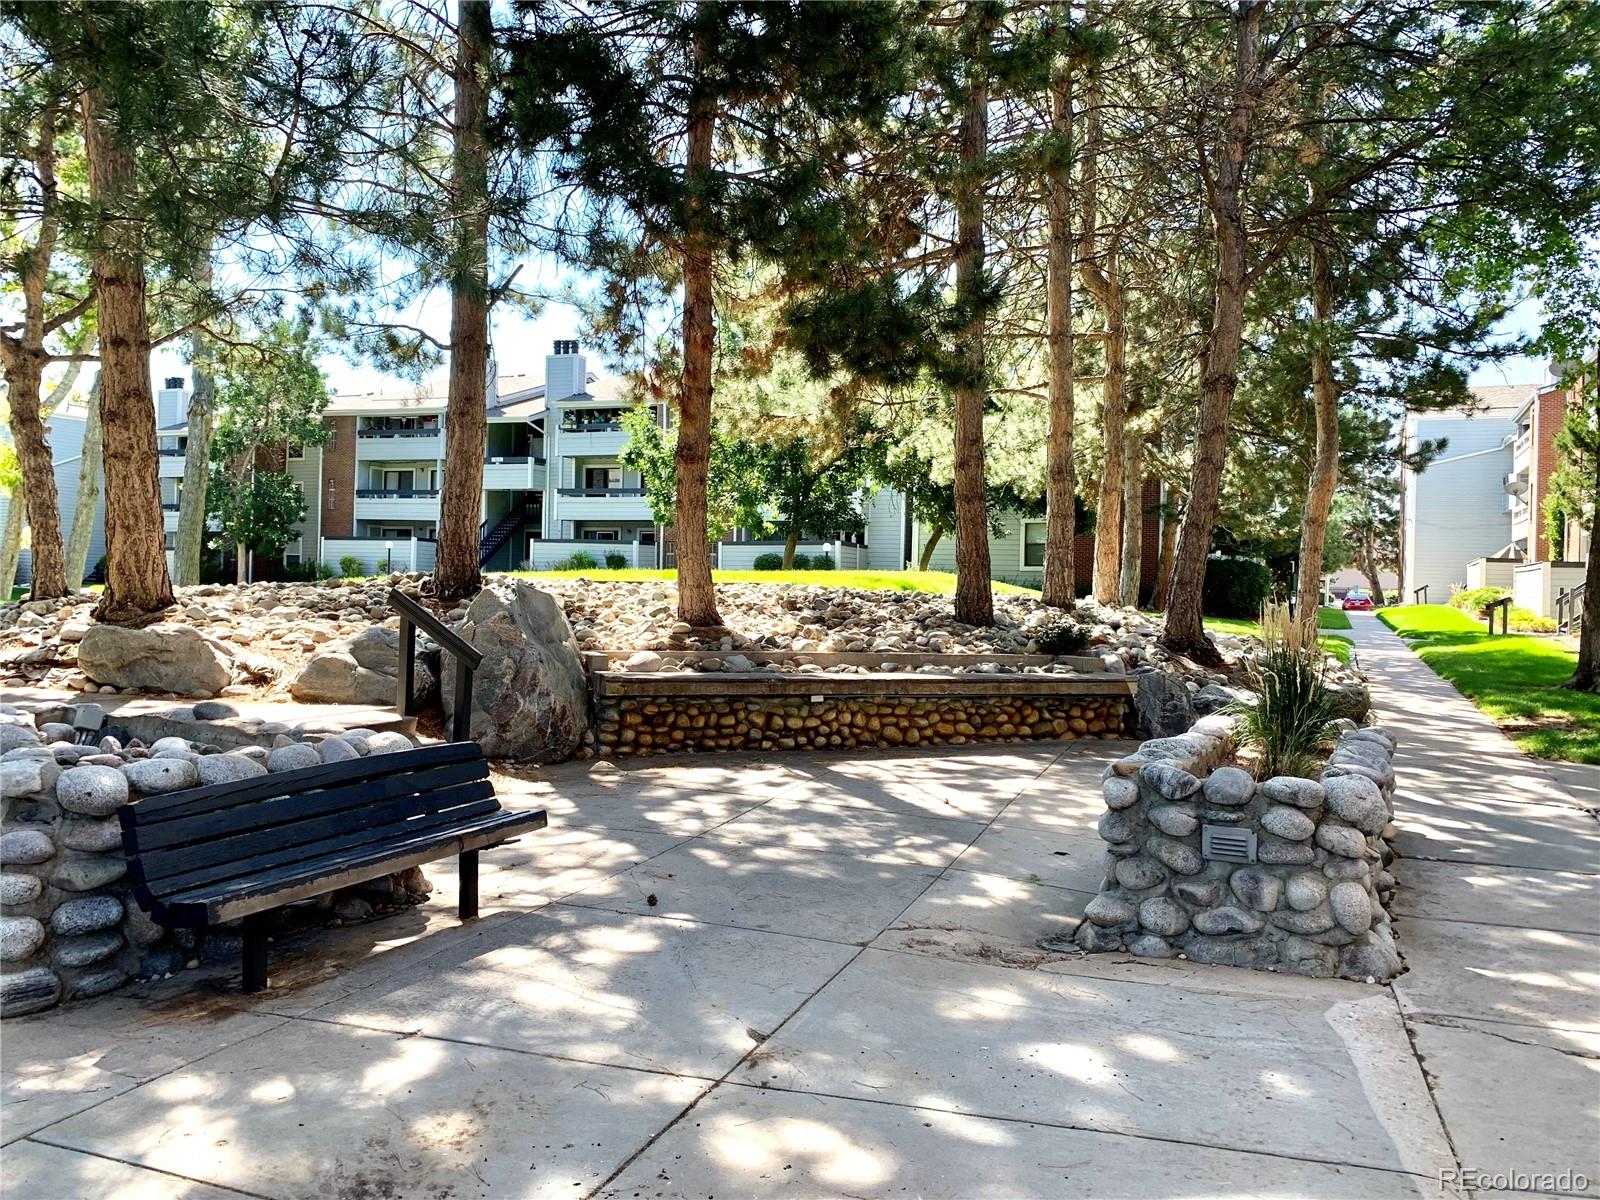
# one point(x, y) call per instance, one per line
point(255, 952)
point(467, 900)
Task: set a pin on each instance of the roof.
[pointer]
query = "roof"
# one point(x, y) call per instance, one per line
point(520, 397)
point(1491, 400)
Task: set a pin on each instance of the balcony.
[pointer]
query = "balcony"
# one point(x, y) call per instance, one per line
point(170, 464)
point(398, 444)
point(397, 504)
point(169, 517)
point(513, 472)
point(599, 504)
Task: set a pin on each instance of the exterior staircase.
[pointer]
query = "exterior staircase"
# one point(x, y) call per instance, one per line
point(492, 538)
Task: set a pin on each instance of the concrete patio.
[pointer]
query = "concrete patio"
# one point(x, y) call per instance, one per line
point(818, 975)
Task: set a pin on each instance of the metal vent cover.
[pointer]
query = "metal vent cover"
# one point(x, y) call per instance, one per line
point(1227, 843)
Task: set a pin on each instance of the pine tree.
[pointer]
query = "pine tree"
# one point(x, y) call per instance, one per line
point(700, 134)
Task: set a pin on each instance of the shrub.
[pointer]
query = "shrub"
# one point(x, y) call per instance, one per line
point(822, 562)
point(802, 562)
point(768, 562)
point(1235, 587)
point(615, 561)
point(1296, 710)
point(350, 566)
point(582, 560)
point(1477, 600)
point(1063, 637)
point(1525, 620)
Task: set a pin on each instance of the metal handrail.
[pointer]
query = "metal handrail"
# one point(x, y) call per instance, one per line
point(600, 492)
point(1569, 607)
point(396, 493)
point(1420, 591)
point(468, 656)
point(396, 433)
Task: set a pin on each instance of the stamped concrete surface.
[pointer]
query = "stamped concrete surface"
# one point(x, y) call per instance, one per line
point(819, 975)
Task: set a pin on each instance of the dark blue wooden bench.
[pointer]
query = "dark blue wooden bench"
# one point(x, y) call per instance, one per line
point(200, 857)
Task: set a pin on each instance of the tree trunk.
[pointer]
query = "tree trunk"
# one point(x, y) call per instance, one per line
point(189, 546)
point(697, 597)
point(456, 573)
point(89, 467)
point(926, 556)
point(1587, 676)
point(1369, 568)
point(1169, 544)
point(1101, 278)
point(1325, 464)
point(11, 545)
point(789, 547)
point(1185, 629)
point(138, 589)
point(974, 601)
point(1132, 524)
point(25, 359)
point(1061, 485)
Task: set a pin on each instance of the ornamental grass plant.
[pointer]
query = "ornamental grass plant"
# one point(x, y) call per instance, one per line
point(1293, 720)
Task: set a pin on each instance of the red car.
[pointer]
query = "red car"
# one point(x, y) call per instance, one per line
point(1358, 600)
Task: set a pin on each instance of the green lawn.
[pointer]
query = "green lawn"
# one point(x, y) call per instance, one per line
point(937, 582)
point(1327, 618)
point(1514, 679)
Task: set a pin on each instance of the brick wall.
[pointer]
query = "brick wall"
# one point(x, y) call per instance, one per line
point(1549, 410)
point(339, 471)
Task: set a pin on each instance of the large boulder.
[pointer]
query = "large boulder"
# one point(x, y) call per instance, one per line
point(157, 658)
point(529, 696)
point(1161, 705)
point(361, 669)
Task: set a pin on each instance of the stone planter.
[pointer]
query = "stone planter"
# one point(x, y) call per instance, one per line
point(1283, 873)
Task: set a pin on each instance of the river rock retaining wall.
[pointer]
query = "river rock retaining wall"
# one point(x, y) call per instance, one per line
point(68, 926)
point(662, 725)
point(1305, 893)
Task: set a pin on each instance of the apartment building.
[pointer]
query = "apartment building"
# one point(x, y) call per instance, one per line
point(64, 428)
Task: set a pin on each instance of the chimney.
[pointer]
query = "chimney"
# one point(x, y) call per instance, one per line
point(172, 402)
point(565, 371)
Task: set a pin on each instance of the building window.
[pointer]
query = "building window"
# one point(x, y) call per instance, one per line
point(602, 478)
point(332, 486)
point(1033, 544)
point(601, 535)
point(296, 452)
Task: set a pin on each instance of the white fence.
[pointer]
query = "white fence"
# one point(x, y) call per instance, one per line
point(741, 556)
point(1535, 585)
point(551, 554)
point(379, 556)
point(1490, 572)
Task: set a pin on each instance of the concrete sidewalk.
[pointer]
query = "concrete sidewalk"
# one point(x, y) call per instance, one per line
point(818, 975)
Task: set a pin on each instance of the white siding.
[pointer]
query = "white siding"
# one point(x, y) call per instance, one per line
point(885, 514)
point(1005, 554)
point(1456, 508)
point(66, 448)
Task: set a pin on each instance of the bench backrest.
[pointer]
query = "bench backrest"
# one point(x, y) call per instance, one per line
point(208, 835)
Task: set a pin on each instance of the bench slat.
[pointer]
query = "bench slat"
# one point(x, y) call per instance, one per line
point(284, 885)
point(218, 796)
point(295, 807)
point(283, 844)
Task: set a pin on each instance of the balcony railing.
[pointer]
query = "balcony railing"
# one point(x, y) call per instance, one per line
point(397, 493)
point(590, 426)
point(169, 507)
point(601, 492)
point(171, 452)
point(397, 433)
point(514, 459)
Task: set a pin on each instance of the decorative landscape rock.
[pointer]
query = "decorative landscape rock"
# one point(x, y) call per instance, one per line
point(362, 669)
point(530, 699)
point(1311, 902)
point(157, 658)
point(151, 776)
point(93, 791)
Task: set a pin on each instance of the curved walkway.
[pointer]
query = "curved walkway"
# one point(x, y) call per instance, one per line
point(1499, 907)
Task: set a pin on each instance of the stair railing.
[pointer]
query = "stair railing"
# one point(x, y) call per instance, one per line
point(467, 656)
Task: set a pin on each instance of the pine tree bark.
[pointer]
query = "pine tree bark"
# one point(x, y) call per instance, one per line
point(89, 468)
point(974, 600)
point(1185, 630)
point(1101, 278)
point(1169, 544)
point(1061, 484)
point(189, 546)
point(456, 573)
point(790, 546)
point(138, 589)
point(697, 597)
point(1325, 462)
point(25, 358)
point(1132, 557)
point(934, 535)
